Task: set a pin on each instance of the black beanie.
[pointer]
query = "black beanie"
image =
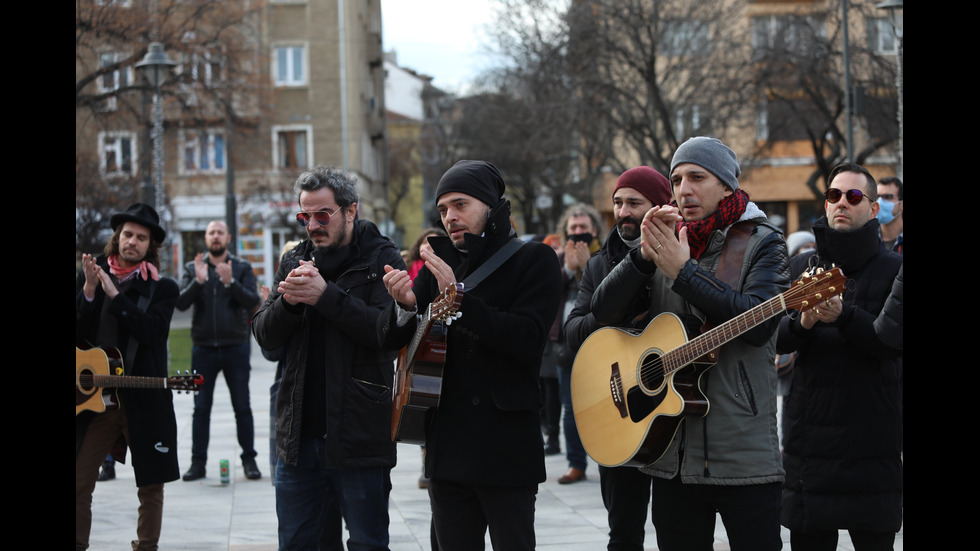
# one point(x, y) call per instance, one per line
point(478, 179)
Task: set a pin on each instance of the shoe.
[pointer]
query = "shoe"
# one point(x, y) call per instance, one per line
point(251, 469)
point(423, 482)
point(572, 476)
point(552, 449)
point(108, 471)
point(195, 472)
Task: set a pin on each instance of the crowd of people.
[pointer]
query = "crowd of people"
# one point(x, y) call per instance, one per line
point(688, 251)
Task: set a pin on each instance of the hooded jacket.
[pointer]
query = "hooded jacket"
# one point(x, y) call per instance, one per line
point(736, 443)
point(358, 373)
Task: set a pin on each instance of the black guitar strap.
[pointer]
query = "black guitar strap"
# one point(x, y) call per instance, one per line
point(494, 262)
point(143, 303)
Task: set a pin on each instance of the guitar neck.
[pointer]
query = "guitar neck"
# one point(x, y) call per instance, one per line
point(718, 336)
point(128, 381)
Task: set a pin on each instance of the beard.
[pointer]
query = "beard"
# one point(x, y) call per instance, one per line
point(217, 249)
point(334, 244)
point(628, 233)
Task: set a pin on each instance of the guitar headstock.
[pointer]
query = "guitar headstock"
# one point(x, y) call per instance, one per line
point(446, 307)
point(188, 382)
point(811, 290)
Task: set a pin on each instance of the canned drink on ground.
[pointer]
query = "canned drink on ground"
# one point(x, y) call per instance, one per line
point(225, 475)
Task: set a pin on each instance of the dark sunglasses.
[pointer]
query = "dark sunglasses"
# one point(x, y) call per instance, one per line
point(322, 217)
point(854, 196)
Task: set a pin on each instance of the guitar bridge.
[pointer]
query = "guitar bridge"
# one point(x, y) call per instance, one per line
point(616, 390)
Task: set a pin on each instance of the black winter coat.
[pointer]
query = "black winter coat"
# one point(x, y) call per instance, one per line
point(221, 315)
point(486, 428)
point(843, 452)
point(149, 412)
point(358, 372)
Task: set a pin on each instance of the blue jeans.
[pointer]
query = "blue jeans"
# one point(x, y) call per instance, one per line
point(311, 500)
point(574, 450)
point(233, 361)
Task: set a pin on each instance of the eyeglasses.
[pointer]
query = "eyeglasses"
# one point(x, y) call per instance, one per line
point(322, 217)
point(854, 196)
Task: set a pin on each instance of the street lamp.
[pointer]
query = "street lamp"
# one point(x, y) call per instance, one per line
point(895, 11)
point(155, 67)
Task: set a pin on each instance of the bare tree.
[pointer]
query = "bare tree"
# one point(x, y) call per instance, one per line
point(799, 67)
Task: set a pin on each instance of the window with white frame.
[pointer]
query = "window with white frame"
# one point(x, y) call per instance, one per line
point(293, 146)
point(117, 153)
point(290, 65)
point(203, 152)
point(796, 34)
point(881, 36)
point(205, 67)
point(114, 77)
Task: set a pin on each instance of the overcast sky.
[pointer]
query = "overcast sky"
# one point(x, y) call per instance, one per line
point(438, 38)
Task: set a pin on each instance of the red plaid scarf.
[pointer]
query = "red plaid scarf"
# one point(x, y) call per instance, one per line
point(730, 209)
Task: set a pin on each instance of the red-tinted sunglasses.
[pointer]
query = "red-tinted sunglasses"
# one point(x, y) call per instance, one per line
point(854, 196)
point(322, 217)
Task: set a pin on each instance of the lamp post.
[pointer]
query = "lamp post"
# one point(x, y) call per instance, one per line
point(895, 9)
point(155, 67)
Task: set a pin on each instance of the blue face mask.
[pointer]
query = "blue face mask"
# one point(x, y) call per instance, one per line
point(885, 211)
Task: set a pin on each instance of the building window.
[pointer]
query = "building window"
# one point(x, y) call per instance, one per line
point(881, 36)
point(206, 68)
point(795, 34)
point(113, 79)
point(686, 37)
point(293, 146)
point(689, 121)
point(290, 65)
point(117, 151)
point(203, 152)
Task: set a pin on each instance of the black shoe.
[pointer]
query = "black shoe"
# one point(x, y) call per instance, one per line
point(251, 469)
point(108, 471)
point(195, 472)
point(552, 449)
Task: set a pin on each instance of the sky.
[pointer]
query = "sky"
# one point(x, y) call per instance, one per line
point(438, 38)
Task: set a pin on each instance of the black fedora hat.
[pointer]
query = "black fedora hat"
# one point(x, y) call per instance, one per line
point(142, 214)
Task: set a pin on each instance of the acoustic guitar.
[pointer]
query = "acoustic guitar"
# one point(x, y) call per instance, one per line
point(630, 391)
point(418, 375)
point(93, 379)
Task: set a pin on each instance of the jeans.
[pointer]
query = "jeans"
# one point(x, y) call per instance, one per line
point(311, 500)
point(574, 450)
point(233, 361)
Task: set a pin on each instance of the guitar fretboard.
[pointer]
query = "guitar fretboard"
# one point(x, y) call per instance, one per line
point(89, 380)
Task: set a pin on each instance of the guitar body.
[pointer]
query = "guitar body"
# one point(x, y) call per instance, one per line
point(88, 363)
point(418, 374)
point(418, 386)
point(627, 409)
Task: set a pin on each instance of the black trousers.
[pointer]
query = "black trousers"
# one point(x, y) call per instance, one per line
point(463, 513)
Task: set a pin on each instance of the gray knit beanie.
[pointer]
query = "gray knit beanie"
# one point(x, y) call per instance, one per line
point(710, 154)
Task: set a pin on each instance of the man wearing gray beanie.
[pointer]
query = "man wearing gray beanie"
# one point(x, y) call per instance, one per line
point(702, 261)
point(483, 452)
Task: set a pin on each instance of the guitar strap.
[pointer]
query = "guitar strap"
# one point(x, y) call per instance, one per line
point(494, 262)
point(732, 256)
point(143, 303)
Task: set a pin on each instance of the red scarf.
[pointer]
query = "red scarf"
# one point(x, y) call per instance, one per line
point(144, 269)
point(730, 209)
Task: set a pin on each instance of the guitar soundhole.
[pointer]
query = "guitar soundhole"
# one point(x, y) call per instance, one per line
point(85, 381)
point(652, 372)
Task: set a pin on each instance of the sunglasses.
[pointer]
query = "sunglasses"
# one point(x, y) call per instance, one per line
point(854, 196)
point(322, 217)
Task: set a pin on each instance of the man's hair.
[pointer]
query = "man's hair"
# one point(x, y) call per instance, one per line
point(894, 181)
point(152, 252)
point(579, 209)
point(871, 186)
point(341, 183)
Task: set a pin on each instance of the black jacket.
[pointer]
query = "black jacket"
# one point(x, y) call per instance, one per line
point(221, 315)
point(486, 428)
point(843, 453)
point(358, 373)
point(149, 412)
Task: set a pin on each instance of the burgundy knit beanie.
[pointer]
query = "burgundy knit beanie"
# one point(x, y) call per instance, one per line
point(650, 183)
